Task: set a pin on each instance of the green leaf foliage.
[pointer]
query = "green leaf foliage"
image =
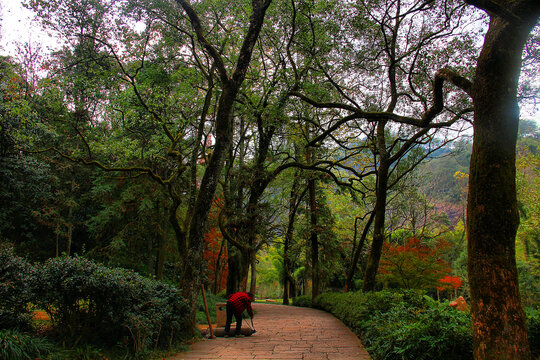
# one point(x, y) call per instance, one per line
point(88, 301)
point(403, 325)
point(410, 325)
point(533, 325)
point(302, 300)
point(16, 276)
point(211, 301)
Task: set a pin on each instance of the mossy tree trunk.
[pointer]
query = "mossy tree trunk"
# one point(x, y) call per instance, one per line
point(288, 277)
point(499, 329)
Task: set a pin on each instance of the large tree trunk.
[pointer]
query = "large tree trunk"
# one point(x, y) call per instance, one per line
point(69, 235)
point(160, 261)
point(314, 239)
point(358, 250)
point(253, 283)
point(235, 274)
point(193, 268)
point(161, 237)
point(218, 270)
point(499, 329)
point(380, 212)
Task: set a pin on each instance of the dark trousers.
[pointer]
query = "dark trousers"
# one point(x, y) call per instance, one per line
point(230, 313)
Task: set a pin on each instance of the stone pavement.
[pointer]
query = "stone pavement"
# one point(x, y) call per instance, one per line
point(284, 332)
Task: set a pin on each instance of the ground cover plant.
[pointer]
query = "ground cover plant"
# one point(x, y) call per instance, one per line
point(19, 346)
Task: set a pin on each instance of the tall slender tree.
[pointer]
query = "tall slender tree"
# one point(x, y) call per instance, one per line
point(193, 270)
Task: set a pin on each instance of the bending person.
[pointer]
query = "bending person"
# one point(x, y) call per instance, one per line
point(237, 303)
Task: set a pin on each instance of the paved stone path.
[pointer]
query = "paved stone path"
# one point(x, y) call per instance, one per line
point(284, 332)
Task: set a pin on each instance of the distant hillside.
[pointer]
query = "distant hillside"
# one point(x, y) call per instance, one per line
point(437, 179)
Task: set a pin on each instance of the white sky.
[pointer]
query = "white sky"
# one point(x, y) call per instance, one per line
point(18, 27)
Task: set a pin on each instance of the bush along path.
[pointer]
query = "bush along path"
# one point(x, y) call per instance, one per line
point(285, 332)
point(88, 304)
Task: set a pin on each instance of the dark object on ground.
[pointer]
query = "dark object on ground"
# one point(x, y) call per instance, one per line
point(220, 332)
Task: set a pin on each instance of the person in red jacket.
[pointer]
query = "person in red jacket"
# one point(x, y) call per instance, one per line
point(237, 303)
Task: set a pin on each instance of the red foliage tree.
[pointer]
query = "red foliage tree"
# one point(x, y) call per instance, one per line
point(449, 283)
point(415, 265)
point(215, 251)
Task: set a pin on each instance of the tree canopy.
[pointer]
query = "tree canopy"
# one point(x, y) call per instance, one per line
point(326, 142)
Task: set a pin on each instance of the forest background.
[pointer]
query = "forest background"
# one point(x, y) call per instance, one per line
point(284, 147)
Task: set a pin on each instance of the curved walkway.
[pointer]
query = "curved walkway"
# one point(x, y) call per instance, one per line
point(284, 332)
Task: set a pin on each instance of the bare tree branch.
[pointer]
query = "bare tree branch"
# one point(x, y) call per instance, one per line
point(212, 51)
point(141, 169)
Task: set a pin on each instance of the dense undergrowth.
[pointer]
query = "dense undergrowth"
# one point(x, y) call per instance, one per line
point(90, 307)
point(408, 325)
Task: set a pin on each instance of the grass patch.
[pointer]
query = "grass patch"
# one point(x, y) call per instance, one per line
point(20, 346)
point(269, 301)
point(211, 301)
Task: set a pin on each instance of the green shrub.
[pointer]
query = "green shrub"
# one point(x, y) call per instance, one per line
point(302, 300)
point(410, 325)
point(16, 278)
point(407, 325)
point(18, 346)
point(344, 306)
point(434, 332)
point(533, 324)
point(90, 302)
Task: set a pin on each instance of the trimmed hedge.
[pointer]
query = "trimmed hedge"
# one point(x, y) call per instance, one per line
point(302, 300)
point(400, 326)
point(409, 325)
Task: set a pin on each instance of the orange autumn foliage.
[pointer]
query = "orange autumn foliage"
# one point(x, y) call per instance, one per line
point(215, 252)
point(216, 258)
point(415, 265)
point(449, 283)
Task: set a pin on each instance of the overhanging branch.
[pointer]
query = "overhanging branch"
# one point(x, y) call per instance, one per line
point(425, 120)
point(197, 27)
point(142, 170)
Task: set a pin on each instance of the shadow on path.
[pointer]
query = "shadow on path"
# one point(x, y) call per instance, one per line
point(284, 332)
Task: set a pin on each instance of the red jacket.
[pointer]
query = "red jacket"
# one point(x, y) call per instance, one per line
point(241, 301)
